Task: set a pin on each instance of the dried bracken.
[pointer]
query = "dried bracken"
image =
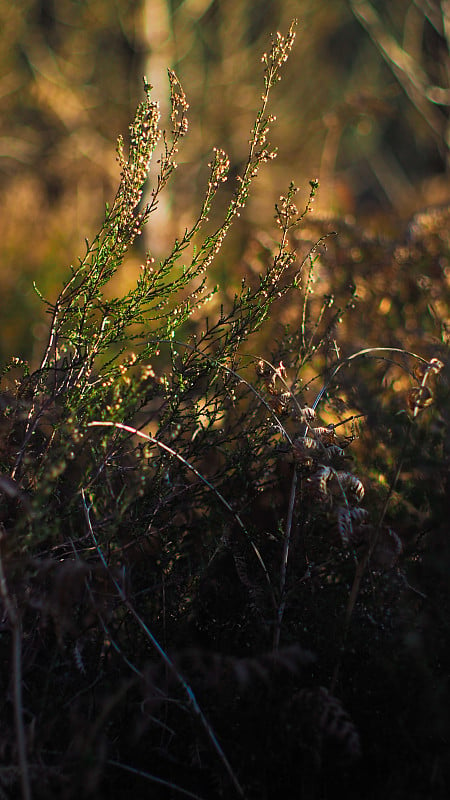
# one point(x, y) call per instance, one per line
point(325, 727)
point(349, 517)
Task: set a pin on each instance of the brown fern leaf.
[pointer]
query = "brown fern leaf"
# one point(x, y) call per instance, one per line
point(326, 727)
point(212, 671)
point(319, 482)
point(214, 668)
point(349, 517)
point(255, 590)
point(326, 436)
point(330, 453)
point(350, 483)
point(305, 449)
point(279, 403)
point(307, 414)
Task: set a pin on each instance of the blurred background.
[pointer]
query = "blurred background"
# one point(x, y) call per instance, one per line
point(363, 106)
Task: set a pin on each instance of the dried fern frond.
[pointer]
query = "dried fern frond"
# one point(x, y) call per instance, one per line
point(387, 551)
point(305, 448)
point(326, 436)
point(325, 726)
point(347, 518)
point(331, 453)
point(319, 482)
point(350, 483)
point(225, 674)
point(321, 443)
point(213, 668)
point(307, 414)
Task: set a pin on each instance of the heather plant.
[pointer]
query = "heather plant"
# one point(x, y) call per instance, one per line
point(189, 568)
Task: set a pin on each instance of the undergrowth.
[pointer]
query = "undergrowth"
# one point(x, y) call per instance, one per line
point(204, 589)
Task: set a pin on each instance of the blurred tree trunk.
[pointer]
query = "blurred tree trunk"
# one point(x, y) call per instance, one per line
point(156, 43)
